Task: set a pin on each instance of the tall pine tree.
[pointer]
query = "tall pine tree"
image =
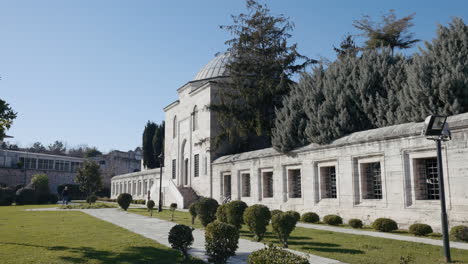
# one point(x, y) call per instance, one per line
point(158, 143)
point(262, 63)
point(149, 160)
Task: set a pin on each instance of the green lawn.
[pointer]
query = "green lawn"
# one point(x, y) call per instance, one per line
point(353, 249)
point(73, 237)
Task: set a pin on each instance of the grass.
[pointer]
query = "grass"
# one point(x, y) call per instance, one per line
point(87, 206)
point(353, 249)
point(73, 237)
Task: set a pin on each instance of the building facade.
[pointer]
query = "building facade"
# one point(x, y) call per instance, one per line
point(118, 162)
point(385, 172)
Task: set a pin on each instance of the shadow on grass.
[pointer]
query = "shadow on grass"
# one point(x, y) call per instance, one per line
point(130, 255)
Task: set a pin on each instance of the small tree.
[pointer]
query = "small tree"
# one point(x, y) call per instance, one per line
point(221, 241)
point(89, 177)
point(124, 200)
point(193, 211)
point(235, 212)
point(283, 224)
point(150, 204)
point(173, 207)
point(206, 210)
point(221, 214)
point(257, 217)
point(91, 199)
point(40, 183)
point(181, 238)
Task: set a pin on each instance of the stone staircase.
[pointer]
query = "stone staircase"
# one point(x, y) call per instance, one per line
point(189, 195)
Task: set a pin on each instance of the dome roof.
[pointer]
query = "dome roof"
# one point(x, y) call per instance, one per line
point(215, 68)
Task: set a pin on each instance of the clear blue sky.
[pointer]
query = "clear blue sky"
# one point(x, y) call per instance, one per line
point(93, 72)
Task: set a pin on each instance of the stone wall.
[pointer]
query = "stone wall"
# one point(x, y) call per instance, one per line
point(12, 177)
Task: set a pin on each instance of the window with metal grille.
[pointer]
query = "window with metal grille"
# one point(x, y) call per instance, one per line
point(245, 178)
point(267, 184)
point(294, 183)
point(174, 167)
point(427, 179)
point(328, 182)
point(196, 164)
point(371, 180)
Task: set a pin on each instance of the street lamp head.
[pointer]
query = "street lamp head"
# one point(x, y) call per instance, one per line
point(437, 127)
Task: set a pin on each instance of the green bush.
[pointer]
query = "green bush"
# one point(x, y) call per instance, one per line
point(295, 214)
point(355, 223)
point(310, 218)
point(276, 211)
point(235, 212)
point(40, 183)
point(283, 224)
point(7, 196)
point(193, 211)
point(221, 214)
point(181, 238)
point(420, 229)
point(53, 198)
point(333, 220)
point(124, 200)
point(459, 233)
point(257, 217)
point(221, 241)
point(273, 255)
point(25, 196)
point(41, 197)
point(385, 225)
point(206, 210)
point(91, 199)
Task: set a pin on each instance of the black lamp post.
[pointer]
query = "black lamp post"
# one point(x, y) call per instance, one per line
point(437, 129)
point(161, 158)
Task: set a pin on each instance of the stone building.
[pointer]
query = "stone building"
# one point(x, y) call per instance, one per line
point(385, 172)
point(118, 162)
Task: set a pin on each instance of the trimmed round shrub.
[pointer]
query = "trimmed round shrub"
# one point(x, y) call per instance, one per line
point(333, 220)
point(193, 211)
point(7, 196)
point(235, 212)
point(295, 214)
point(206, 210)
point(41, 197)
point(221, 241)
point(310, 218)
point(276, 211)
point(221, 213)
point(459, 233)
point(124, 200)
point(274, 255)
point(173, 206)
point(181, 238)
point(384, 225)
point(257, 217)
point(91, 199)
point(420, 229)
point(53, 198)
point(25, 196)
point(283, 224)
point(150, 205)
point(355, 223)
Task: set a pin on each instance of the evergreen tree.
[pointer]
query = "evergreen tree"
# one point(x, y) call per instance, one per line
point(89, 177)
point(158, 143)
point(438, 76)
point(57, 148)
point(92, 152)
point(7, 115)
point(262, 63)
point(347, 48)
point(37, 147)
point(390, 32)
point(149, 160)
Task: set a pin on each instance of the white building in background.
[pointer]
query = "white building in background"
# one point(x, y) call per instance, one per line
point(385, 172)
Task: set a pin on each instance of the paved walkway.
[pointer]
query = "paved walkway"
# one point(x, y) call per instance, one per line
point(158, 230)
point(459, 245)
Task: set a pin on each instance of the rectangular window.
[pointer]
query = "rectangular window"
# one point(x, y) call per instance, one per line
point(371, 180)
point(328, 182)
point(196, 164)
point(245, 179)
point(294, 183)
point(427, 179)
point(227, 185)
point(30, 163)
point(206, 165)
point(174, 167)
point(267, 179)
point(43, 164)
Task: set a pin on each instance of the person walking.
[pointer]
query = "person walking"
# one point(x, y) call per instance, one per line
point(65, 195)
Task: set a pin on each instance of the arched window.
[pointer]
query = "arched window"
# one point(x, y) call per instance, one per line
point(195, 118)
point(174, 127)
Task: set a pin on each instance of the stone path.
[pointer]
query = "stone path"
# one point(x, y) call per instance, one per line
point(459, 245)
point(158, 230)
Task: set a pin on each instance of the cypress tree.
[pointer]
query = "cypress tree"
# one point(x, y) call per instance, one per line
point(438, 76)
point(158, 143)
point(149, 160)
point(262, 63)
